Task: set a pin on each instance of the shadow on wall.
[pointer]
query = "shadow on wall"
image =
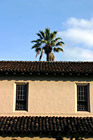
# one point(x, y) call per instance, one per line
point(46, 78)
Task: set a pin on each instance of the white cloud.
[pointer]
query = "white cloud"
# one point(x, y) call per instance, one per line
point(80, 23)
point(77, 53)
point(79, 31)
point(78, 36)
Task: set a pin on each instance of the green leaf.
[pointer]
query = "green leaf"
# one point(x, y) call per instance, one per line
point(53, 35)
point(38, 49)
point(36, 45)
point(53, 43)
point(40, 35)
point(58, 38)
point(60, 44)
point(36, 41)
point(44, 41)
point(58, 49)
point(55, 32)
point(47, 32)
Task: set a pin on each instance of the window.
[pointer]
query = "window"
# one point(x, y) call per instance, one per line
point(82, 97)
point(21, 97)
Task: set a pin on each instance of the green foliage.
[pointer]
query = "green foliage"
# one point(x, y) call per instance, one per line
point(47, 42)
point(58, 49)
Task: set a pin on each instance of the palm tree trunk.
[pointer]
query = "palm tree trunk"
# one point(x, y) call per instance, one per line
point(47, 56)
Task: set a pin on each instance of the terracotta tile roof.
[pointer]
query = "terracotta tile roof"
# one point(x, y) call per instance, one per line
point(29, 67)
point(47, 125)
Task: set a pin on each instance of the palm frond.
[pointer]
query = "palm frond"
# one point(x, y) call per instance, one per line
point(58, 38)
point(36, 41)
point(36, 45)
point(56, 43)
point(60, 43)
point(40, 35)
point(47, 32)
point(53, 43)
point(41, 54)
point(37, 51)
point(55, 32)
point(53, 35)
point(58, 49)
point(44, 41)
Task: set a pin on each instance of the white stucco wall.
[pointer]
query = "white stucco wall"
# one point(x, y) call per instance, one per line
point(52, 96)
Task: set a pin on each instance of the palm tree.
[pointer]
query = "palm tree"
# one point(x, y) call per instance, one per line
point(47, 42)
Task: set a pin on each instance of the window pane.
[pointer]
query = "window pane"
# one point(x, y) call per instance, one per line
point(21, 93)
point(82, 101)
point(82, 106)
point(20, 106)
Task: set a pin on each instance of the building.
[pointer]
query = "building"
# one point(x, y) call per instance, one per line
point(46, 100)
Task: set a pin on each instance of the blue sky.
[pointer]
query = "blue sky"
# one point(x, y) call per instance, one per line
point(20, 20)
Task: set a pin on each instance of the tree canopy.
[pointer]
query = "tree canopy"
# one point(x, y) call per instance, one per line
point(47, 43)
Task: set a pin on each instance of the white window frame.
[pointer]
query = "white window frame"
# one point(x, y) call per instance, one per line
point(88, 95)
point(15, 92)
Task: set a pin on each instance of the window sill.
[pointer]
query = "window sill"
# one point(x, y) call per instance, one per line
point(20, 111)
point(84, 112)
